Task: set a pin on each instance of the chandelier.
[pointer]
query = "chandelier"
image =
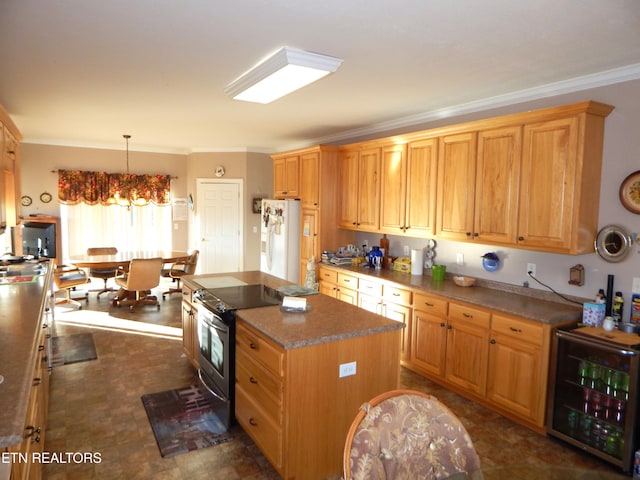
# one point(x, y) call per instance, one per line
point(126, 193)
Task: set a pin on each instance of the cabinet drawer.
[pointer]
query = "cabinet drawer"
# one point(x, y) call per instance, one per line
point(348, 281)
point(259, 349)
point(469, 314)
point(261, 385)
point(257, 424)
point(370, 287)
point(430, 304)
point(396, 295)
point(518, 328)
point(328, 275)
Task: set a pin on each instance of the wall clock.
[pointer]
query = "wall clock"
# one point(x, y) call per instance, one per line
point(219, 171)
point(613, 243)
point(45, 197)
point(26, 200)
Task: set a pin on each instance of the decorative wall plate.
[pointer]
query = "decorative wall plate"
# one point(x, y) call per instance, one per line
point(630, 192)
point(613, 243)
point(45, 197)
point(219, 171)
point(26, 200)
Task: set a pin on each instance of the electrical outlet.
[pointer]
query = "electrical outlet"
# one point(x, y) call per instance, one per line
point(531, 269)
point(406, 251)
point(347, 369)
point(365, 242)
point(460, 258)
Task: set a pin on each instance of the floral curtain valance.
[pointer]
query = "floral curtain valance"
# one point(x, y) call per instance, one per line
point(76, 186)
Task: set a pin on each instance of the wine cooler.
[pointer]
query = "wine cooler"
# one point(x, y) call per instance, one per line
point(593, 392)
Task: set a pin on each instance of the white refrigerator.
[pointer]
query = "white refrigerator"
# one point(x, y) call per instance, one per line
point(280, 239)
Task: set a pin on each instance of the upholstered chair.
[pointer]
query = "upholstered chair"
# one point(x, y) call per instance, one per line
point(406, 434)
point(103, 273)
point(142, 276)
point(178, 270)
point(67, 278)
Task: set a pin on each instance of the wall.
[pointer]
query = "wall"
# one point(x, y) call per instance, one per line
point(621, 157)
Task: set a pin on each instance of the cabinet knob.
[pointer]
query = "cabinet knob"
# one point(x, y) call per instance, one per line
point(442, 324)
point(520, 239)
point(253, 422)
point(493, 341)
point(252, 346)
point(468, 234)
point(253, 380)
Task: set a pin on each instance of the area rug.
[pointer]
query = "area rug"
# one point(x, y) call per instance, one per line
point(79, 347)
point(184, 420)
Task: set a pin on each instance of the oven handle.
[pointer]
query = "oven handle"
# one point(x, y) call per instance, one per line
point(209, 320)
point(595, 342)
point(204, 384)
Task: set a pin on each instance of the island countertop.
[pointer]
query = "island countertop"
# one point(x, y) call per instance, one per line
point(326, 320)
point(21, 310)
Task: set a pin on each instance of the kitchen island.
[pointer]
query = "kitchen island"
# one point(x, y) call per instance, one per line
point(301, 377)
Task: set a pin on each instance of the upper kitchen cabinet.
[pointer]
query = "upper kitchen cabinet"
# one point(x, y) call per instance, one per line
point(409, 188)
point(9, 171)
point(560, 187)
point(359, 180)
point(286, 176)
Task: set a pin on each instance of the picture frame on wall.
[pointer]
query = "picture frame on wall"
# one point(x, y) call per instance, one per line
point(257, 205)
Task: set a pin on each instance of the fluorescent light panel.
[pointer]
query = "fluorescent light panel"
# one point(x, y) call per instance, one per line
point(285, 71)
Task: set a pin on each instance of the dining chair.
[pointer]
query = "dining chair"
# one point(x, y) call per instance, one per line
point(407, 434)
point(103, 273)
point(178, 270)
point(67, 278)
point(142, 276)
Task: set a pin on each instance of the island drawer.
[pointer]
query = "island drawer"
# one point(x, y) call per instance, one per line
point(259, 349)
point(328, 275)
point(256, 423)
point(430, 304)
point(396, 295)
point(370, 287)
point(466, 313)
point(348, 281)
point(262, 386)
point(518, 328)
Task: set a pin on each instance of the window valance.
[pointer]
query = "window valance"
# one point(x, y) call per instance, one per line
point(77, 186)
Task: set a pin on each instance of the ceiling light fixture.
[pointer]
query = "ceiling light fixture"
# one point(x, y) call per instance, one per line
point(283, 72)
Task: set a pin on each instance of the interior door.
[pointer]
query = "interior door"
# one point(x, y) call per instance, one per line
point(218, 218)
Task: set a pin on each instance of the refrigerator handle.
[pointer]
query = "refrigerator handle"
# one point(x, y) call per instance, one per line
point(591, 342)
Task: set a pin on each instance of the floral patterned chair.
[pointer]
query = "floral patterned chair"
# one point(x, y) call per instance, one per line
point(406, 434)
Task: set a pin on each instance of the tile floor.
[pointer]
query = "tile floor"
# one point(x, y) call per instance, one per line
point(95, 406)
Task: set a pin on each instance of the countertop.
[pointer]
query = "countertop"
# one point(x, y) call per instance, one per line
point(21, 311)
point(499, 298)
point(327, 319)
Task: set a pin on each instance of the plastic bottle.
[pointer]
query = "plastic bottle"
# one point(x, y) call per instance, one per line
point(617, 308)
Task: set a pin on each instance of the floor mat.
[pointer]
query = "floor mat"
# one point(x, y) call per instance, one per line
point(79, 347)
point(184, 420)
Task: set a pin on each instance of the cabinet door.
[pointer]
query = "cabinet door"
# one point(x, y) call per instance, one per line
point(308, 240)
point(347, 295)
point(429, 342)
point(548, 184)
point(497, 185)
point(456, 179)
point(369, 303)
point(286, 177)
point(422, 162)
point(393, 188)
point(189, 333)
point(348, 180)
point(514, 377)
point(369, 189)
point(401, 313)
point(310, 180)
point(328, 288)
point(467, 355)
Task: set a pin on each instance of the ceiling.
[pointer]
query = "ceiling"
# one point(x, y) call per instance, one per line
point(84, 72)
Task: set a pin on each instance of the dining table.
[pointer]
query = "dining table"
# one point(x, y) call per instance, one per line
point(122, 260)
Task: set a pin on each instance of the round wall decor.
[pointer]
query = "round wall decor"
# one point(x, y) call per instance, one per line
point(219, 171)
point(45, 197)
point(613, 243)
point(630, 192)
point(25, 201)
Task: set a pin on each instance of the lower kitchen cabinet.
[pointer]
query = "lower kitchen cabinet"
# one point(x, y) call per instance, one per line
point(429, 335)
point(189, 326)
point(293, 404)
point(338, 285)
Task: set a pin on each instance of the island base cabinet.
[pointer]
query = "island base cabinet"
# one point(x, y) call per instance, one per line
point(318, 405)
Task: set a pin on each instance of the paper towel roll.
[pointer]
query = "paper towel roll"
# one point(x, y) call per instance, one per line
point(417, 261)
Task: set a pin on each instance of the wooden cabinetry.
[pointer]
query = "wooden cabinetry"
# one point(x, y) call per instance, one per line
point(517, 376)
point(9, 171)
point(189, 326)
point(429, 336)
point(293, 404)
point(359, 180)
point(286, 176)
point(339, 285)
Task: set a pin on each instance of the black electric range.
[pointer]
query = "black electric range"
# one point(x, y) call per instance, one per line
point(224, 301)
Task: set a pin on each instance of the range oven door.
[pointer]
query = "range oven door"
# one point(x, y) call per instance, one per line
point(216, 342)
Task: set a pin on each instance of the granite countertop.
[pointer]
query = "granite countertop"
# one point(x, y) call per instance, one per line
point(327, 319)
point(492, 295)
point(21, 310)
